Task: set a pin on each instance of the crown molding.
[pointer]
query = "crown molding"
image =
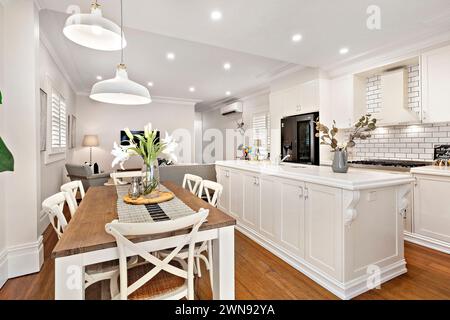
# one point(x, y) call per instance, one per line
point(59, 64)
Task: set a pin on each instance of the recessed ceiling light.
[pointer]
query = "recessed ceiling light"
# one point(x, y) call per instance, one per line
point(150, 84)
point(216, 15)
point(297, 37)
point(170, 56)
point(192, 89)
point(227, 66)
point(99, 78)
point(343, 51)
point(228, 93)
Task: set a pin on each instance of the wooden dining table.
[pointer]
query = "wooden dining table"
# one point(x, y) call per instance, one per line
point(85, 241)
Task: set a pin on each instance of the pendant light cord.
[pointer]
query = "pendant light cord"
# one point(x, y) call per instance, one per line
point(121, 30)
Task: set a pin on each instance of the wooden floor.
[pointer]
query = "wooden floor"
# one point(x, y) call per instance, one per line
point(261, 275)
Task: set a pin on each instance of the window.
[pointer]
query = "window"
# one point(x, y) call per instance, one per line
point(58, 124)
point(261, 131)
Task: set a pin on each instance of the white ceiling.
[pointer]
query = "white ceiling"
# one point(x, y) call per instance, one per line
point(254, 35)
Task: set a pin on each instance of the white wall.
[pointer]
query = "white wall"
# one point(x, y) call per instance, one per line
point(212, 119)
point(20, 116)
point(107, 120)
point(3, 252)
point(52, 167)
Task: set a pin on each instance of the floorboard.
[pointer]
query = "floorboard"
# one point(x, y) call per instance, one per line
point(262, 275)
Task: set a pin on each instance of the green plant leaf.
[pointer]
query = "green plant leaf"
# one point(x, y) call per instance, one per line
point(6, 158)
point(1, 98)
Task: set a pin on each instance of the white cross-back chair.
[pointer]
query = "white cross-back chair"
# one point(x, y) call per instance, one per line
point(212, 191)
point(158, 278)
point(192, 182)
point(72, 188)
point(118, 176)
point(53, 207)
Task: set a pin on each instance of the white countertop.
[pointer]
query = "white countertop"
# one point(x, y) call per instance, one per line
point(433, 170)
point(354, 179)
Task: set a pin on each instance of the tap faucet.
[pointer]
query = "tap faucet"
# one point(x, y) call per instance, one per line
point(285, 158)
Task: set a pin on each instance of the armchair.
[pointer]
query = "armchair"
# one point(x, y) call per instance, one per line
point(86, 175)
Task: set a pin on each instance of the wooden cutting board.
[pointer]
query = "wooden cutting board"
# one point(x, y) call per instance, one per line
point(153, 198)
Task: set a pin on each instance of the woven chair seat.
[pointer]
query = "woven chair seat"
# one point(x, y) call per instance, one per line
point(162, 283)
point(108, 266)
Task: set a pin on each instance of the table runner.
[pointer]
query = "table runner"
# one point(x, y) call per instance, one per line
point(169, 210)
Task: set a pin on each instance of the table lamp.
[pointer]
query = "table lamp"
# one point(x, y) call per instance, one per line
point(90, 141)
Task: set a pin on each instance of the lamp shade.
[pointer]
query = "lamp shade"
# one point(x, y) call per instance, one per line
point(120, 90)
point(90, 141)
point(93, 31)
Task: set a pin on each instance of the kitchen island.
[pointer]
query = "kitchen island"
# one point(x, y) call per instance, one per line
point(344, 231)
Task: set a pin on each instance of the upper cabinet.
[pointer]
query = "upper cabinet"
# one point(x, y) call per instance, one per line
point(347, 101)
point(436, 85)
point(299, 99)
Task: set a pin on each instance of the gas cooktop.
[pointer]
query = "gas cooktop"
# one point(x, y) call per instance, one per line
point(392, 163)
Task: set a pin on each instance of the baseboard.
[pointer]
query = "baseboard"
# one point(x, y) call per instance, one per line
point(427, 242)
point(43, 223)
point(342, 290)
point(25, 258)
point(3, 267)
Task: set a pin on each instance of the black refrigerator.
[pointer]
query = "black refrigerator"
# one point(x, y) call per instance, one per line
point(298, 139)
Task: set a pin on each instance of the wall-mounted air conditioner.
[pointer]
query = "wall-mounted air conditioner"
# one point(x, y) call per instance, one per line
point(235, 107)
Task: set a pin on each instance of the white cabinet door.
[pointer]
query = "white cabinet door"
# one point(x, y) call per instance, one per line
point(436, 85)
point(269, 224)
point(250, 216)
point(223, 177)
point(276, 113)
point(309, 100)
point(291, 101)
point(341, 102)
point(293, 217)
point(236, 194)
point(324, 225)
point(431, 207)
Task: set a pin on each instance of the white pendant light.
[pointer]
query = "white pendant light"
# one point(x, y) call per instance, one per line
point(93, 31)
point(120, 90)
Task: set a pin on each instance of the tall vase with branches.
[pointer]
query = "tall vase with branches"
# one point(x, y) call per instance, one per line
point(362, 130)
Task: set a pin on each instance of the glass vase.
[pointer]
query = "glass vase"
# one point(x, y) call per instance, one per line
point(340, 164)
point(150, 178)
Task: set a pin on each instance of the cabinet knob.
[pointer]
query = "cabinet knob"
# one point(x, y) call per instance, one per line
point(306, 193)
point(301, 192)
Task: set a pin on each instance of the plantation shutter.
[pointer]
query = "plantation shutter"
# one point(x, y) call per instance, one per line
point(59, 123)
point(261, 131)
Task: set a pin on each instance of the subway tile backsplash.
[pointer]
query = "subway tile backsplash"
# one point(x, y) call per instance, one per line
point(415, 142)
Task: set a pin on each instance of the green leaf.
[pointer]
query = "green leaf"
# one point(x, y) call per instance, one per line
point(6, 158)
point(1, 98)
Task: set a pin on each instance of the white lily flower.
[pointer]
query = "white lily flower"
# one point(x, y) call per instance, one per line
point(120, 155)
point(147, 130)
point(128, 133)
point(169, 148)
